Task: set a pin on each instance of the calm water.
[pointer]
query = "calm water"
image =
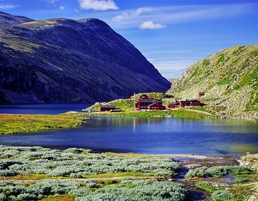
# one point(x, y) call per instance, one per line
point(153, 135)
point(40, 108)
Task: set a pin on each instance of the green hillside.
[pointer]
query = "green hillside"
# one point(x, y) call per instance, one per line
point(228, 79)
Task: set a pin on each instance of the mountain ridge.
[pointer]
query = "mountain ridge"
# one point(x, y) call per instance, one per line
point(70, 61)
point(229, 80)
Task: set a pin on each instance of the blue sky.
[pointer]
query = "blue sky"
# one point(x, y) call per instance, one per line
point(171, 34)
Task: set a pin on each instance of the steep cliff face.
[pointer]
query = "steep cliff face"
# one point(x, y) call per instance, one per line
point(229, 80)
point(68, 61)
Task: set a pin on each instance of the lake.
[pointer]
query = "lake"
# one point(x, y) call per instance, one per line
point(152, 135)
point(41, 108)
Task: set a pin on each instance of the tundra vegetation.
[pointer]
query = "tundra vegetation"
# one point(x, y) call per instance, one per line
point(37, 173)
point(227, 183)
point(229, 80)
point(76, 174)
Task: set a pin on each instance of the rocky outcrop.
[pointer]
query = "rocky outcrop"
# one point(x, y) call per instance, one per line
point(228, 79)
point(68, 61)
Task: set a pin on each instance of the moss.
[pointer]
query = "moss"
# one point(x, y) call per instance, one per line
point(221, 59)
point(206, 62)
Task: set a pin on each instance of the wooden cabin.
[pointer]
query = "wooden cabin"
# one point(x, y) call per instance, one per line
point(173, 105)
point(143, 102)
point(147, 103)
point(189, 103)
point(156, 106)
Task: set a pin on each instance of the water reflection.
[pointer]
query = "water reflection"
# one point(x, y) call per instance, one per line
point(152, 135)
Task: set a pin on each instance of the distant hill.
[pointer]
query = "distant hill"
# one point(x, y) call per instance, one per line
point(229, 80)
point(7, 19)
point(68, 61)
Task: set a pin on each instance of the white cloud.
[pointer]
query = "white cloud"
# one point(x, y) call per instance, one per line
point(61, 7)
point(151, 25)
point(98, 5)
point(180, 14)
point(7, 6)
point(131, 14)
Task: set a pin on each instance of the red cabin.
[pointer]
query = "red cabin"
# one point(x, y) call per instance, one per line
point(145, 103)
point(189, 103)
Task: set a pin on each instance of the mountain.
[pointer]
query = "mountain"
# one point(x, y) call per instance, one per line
point(229, 80)
point(68, 61)
point(7, 19)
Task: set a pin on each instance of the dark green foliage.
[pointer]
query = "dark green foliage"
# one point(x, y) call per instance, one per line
point(3, 197)
point(206, 62)
point(216, 171)
point(7, 173)
point(222, 195)
point(140, 190)
point(197, 172)
point(207, 186)
point(133, 189)
point(240, 180)
point(221, 59)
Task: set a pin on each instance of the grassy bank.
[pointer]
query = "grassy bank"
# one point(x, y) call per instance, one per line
point(176, 113)
point(127, 107)
point(15, 123)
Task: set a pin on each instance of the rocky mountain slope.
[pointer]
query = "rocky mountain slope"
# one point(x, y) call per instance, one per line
point(68, 61)
point(229, 80)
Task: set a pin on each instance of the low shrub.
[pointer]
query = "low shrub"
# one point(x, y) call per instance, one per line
point(29, 162)
point(3, 197)
point(240, 180)
point(139, 190)
point(7, 173)
point(197, 172)
point(216, 171)
point(26, 196)
point(207, 186)
point(222, 195)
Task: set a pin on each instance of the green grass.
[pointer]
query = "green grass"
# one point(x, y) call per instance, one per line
point(60, 198)
point(176, 113)
point(207, 186)
point(12, 123)
point(127, 107)
point(221, 59)
point(119, 174)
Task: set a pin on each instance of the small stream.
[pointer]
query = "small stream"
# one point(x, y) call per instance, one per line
point(197, 194)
